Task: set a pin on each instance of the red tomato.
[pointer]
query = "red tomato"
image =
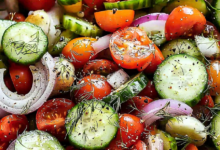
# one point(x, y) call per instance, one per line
point(157, 60)
point(184, 21)
point(130, 48)
point(93, 86)
point(131, 128)
point(37, 4)
point(94, 4)
point(140, 145)
point(70, 148)
point(21, 77)
point(207, 101)
point(16, 17)
point(116, 19)
point(51, 117)
point(202, 113)
point(210, 30)
point(149, 90)
point(135, 105)
point(4, 145)
point(116, 143)
point(11, 126)
point(191, 147)
point(8, 83)
point(100, 66)
point(112, 1)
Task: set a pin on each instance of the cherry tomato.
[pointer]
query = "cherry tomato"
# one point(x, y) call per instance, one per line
point(79, 51)
point(157, 60)
point(191, 147)
point(51, 117)
point(135, 105)
point(37, 4)
point(8, 83)
point(112, 1)
point(214, 77)
point(116, 19)
point(21, 77)
point(11, 126)
point(70, 148)
point(100, 66)
point(184, 21)
point(131, 48)
point(202, 113)
point(211, 31)
point(116, 143)
point(140, 145)
point(207, 101)
point(149, 90)
point(16, 17)
point(4, 145)
point(131, 128)
point(93, 86)
point(94, 4)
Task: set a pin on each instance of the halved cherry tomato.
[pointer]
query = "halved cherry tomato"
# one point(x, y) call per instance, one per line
point(140, 145)
point(90, 87)
point(116, 143)
point(135, 105)
point(15, 17)
point(37, 4)
point(184, 21)
point(8, 83)
point(100, 66)
point(79, 51)
point(149, 90)
point(51, 117)
point(4, 145)
point(131, 48)
point(11, 126)
point(191, 147)
point(157, 60)
point(116, 19)
point(207, 101)
point(21, 77)
point(131, 128)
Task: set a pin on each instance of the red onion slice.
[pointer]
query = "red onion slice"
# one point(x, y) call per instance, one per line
point(158, 109)
point(102, 43)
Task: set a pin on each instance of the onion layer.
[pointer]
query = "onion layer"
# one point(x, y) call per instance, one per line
point(155, 142)
point(102, 43)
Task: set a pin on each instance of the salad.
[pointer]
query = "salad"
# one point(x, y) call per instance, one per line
point(109, 74)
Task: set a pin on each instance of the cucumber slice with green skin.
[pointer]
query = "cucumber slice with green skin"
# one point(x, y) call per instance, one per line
point(215, 124)
point(62, 41)
point(4, 24)
point(182, 46)
point(125, 92)
point(169, 143)
point(181, 77)
point(81, 27)
point(216, 17)
point(187, 127)
point(198, 4)
point(24, 43)
point(91, 125)
point(68, 2)
point(38, 140)
point(131, 4)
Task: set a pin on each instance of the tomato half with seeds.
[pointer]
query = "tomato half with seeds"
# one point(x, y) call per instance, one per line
point(100, 66)
point(130, 129)
point(11, 126)
point(207, 101)
point(79, 51)
point(51, 116)
point(116, 19)
point(92, 87)
point(131, 48)
point(185, 22)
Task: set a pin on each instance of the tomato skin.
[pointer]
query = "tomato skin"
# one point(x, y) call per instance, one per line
point(191, 147)
point(140, 145)
point(100, 66)
point(51, 116)
point(137, 102)
point(149, 90)
point(79, 51)
point(4, 145)
point(202, 113)
point(16, 17)
point(11, 126)
point(184, 21)
point(131, 128)
point(112, 1)
point(116, 19)
point(38, 4)
point(116, 143)
point(125, 46)
point(8, 83)
point(207, 101)
point(93, 86)
point(21, 77)
point(211, 30)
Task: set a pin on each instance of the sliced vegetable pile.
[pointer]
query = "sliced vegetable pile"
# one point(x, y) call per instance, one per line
point(109, 74)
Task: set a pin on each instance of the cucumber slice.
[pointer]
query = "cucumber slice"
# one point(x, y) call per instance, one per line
point(215, 124)
point(37, 140)
point(91, 125)
point(169, 143)
point(187, 127)
point(24, 43)
point(182, 46)
point(4, 24)
point(125, 92)
point(80, 26)
point(131, 4)
point(62, 41)
point(68, 2)
point(181, 77)
point(198, 4)
point(216, 17)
